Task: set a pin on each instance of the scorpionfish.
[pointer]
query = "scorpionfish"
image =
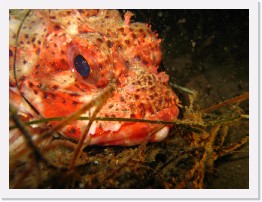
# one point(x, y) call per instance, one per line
point(61, 59)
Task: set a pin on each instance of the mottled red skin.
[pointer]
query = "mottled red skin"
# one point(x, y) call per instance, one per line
point(114, 49)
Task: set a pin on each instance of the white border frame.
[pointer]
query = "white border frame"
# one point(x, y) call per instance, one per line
point(254, 175)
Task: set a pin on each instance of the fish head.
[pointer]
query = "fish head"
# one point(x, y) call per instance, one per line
point(65, 58)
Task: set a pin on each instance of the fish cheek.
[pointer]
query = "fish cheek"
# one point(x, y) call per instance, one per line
point(59, 104)
point(72, 132)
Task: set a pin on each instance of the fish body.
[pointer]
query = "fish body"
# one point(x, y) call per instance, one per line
point(61, 59)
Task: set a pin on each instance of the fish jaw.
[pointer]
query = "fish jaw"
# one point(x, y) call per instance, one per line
point(130, 134)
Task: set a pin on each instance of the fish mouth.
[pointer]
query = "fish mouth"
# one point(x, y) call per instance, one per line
point(135, 133)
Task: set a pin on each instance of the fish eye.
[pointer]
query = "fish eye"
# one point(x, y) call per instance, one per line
point(81, 66)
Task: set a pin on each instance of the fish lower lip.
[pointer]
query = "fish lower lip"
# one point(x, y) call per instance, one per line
point(160, 135)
